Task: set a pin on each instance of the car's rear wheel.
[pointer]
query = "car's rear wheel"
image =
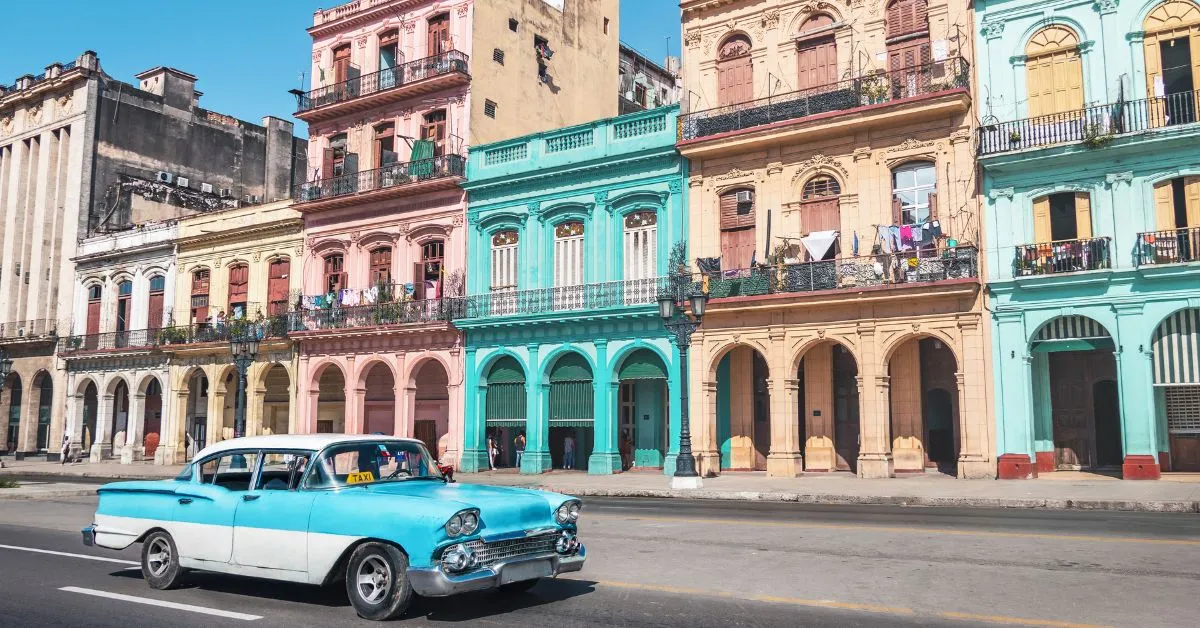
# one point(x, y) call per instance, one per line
point(377, 581)
point(522, 586)
point(160, 561)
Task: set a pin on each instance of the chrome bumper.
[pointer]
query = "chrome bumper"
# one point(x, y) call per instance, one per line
point(434, 582)
point(89, 535)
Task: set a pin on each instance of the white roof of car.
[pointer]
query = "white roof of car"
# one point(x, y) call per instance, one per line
point(313, 442)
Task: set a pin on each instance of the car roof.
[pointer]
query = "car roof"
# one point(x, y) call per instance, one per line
point(313, 442)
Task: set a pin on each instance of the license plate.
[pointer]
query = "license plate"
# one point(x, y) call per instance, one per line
point(525, 571)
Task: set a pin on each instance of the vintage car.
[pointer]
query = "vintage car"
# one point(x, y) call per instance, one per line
point(373, 511)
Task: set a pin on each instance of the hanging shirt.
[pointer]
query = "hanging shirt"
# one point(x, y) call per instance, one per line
point(885, 239)
point(936, 228)
point(895, 233)
point(906, 237)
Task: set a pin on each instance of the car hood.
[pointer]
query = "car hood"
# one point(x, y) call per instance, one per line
point(502, 509)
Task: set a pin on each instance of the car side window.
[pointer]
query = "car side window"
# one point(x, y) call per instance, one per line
point(231, 471)
point(281, 471)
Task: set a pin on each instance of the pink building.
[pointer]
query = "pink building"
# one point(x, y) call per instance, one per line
point(390, 115)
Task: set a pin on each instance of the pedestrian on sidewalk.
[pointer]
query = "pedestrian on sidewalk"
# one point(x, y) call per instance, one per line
point(64, 450)
point(492, 451)
point(519, 446)
point(569, 452)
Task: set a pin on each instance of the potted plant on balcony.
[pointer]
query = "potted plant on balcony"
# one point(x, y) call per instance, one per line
point(1096, 134)
point(171, 336)
point(875, 88)
point(76, 342)
point(1014, 137)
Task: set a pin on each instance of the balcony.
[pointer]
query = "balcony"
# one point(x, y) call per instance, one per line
point(390, 181)
point(566, 300)
point(387, 314)
point(132, 340)
point(1175, 246)
point(885, 270)
point(31, 331)
point(870, 91)
point(1093, 126)
point(407, 80)
point(1063, 256)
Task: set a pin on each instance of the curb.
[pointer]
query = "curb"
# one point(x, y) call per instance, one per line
point(46, 495)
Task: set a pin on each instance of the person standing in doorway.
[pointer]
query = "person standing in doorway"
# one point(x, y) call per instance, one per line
point(492, 451)
point(569, 452)
point(519, 446)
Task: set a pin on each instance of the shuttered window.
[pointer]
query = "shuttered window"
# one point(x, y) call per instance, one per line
point(278, 282)
point(737, 229)
point(505, 393)
point(381, 266)
point(641, 245)
point(820, 209)
point(571, 391)
point(504, 261)
point(1054, 74)
point(154, 306)
point(907, 17)
point(568, 254)
point(335, 275)
point(438, 35)
point(434, 130)
point(907, 45)
point(1167, 27)
point(1062, 216)
point(200, 283)
point(817, 54)
point(735, 72)
point(95, 294)
point(239, 287)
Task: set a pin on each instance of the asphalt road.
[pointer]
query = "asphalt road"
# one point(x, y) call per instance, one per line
point(680, 563)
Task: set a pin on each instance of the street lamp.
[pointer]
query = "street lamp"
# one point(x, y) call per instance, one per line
point(244, 346)
point(5, 369)
point(683, 325)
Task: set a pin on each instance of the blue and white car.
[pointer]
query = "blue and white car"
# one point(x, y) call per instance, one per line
point(373, 511)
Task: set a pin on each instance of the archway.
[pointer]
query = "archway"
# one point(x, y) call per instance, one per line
point(119, 423)
point(431, 409)
point(1176, 350)
point(276, 400)
point(379, 400)
point(151, 417)
point(642, 437)
point(13, 387)
point(44, 385)
point(1072, 357)
point(331, 401)
point(923, 406)
point(571, 417)
point(743, 410)
point(504, 410)
point(91, 410)
point(196, 421)
point(829, 408)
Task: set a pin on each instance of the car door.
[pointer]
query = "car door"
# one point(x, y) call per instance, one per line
point(205, 508)
point(271, 524)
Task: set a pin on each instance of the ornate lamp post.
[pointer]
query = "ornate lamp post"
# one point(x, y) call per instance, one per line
point(683, 325)
point(5, 368)
point(244, 346)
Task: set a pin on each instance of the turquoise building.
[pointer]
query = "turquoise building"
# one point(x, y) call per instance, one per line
point(570, 232)
point(1091, 182)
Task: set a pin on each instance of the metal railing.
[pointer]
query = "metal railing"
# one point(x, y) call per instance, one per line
point(1174, 246)
point(848, 94)
point(110, 341)
point(591, 296)
point(389, 176)
point(1063, 256)
point(883, 269)
point(1094, 125)
point(383, 80)
point(268, 328)
point(378, 314)
point(36, 328)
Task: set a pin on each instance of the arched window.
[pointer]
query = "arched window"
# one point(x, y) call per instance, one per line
point(433, 130)
point(427, 273)
point(1054, 74)
point(1172, 52)
point(817, 53)
point(385, 145)
point(438, 35)
point(124, 311)
point(735, 72)
point(335, 273)
point(278, 283)
point(641, 245)
point(154, 305)
point(95, 294)
point(821, 186)
point(381, 266)
point(341, 63)
point(737, 228)
point(239, 290)
point(907, 44)
point(200, 283)
point(914, 193)
point(568, 254)
point(820, 209)
point(504, 261)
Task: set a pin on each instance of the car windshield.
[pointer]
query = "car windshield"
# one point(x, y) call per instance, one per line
point(367, 462)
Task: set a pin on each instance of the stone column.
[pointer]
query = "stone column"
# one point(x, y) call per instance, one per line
point(821, 454)
point(454, 413)
point(1135, 384)
point(785, 459)
point(475, 455)
point(313, 411)
point(134, 449)
point(1014, 393)
point(173, 444)
point(216, 411)
point(356, 398)
point(409, 426)
point(537, 412)
point(74, 424)
point(975, 416)
point(875, 453)
point(704, 416)
point(743, 449)
point(605, 458)
point(904, 401)
point(674, 414)
point(102, 448)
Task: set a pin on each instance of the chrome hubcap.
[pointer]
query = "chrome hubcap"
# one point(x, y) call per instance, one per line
point(158, 559)
point(374, 579)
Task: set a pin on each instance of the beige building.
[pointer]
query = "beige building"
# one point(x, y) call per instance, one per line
point(832, 175)
point(237, 272)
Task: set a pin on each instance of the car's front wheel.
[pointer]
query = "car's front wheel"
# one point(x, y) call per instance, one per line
point(377, 581)
point(160, 561)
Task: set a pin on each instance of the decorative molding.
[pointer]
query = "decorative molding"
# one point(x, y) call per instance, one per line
point(999, 193)
point(958, 137)
point(817, 163)
point(535, 208)
point(33, 115)
point(410, 27)
point(993, 30)
point(362, 42)
point(911, 144)
point(601, 196)
point(1107, 6)
point(257, 257)
point(6, 125)
point(464, 9)
point(734, 173)
point(861, 153)
point(63, 105)
point(316, 56)
point(1114, 178)
point(457, 221)
point(692, 38)
point(675, 186)
point(770, 19)
point(774, 168)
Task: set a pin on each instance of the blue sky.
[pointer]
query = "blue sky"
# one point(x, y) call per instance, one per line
point(246, 53)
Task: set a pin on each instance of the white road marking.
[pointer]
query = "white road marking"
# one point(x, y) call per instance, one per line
point(70, 555)
point(172, 605)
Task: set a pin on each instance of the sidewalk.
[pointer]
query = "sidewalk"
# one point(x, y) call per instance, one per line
point(1063, 490)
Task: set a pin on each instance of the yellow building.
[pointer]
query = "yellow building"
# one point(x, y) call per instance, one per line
point(832, 174)
point(238, 272)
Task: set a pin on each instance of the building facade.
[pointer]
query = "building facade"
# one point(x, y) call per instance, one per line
point(646, 84)
point(569, 236)
point(1093, 198)
point(832, 203)
point(397, 97)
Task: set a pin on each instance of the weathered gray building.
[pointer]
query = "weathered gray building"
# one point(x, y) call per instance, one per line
point(645, 84)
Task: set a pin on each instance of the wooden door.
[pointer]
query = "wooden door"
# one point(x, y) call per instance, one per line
point(434, 130)
point(845, 411)
point(737, 248)
point(818, 63)
point(1070, 402)
point(821, 215)
point(239, 281)
point(341, 64)
point(735, 72)
point(426, 432)
point(278, 286)
point(1054, 83)
point(905, 17)
point(93, 311)
point(438, 35)
point(154, 306)
point(335, 276)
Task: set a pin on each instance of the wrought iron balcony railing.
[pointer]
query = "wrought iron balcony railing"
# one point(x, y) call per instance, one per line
point(383, 80)
point(1063, 256)
point(884, 269)
point(848, 94)
point(377, 315)
point(30, 329)
point(1175, 246)
point(591, 296)
point(141, 339)
point(1095, 126)
point(133, 339)
point(389, 176)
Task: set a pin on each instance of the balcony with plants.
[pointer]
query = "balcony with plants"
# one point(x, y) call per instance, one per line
point(1063, 257)
point(384, 306)
point(402, 81)
point(388, 182)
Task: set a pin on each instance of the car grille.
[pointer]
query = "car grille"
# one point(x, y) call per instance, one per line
point(499, 551)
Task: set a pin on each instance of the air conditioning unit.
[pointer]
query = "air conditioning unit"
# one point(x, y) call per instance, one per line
point(182, 182)
point(164, 177)
point(745, 196)
point(207, 188)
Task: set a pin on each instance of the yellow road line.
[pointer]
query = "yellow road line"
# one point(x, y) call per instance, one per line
point(909, 530)
point(846, 606)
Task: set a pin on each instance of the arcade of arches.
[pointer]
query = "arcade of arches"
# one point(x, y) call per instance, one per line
point(116, 415)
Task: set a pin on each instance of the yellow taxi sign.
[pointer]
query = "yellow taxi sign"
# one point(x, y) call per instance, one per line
point(360, 477)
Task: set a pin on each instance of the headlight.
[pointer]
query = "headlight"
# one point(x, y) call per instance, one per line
point(568, 512)
point(573, 510)
point(470, 522)
point(463, 522)
point(454, 526)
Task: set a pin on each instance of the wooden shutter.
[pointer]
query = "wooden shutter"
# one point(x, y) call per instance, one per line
point(821, 215)
point(438, 35)
point(933, 209)
point(1164, 206)
point(735, 72)
point(327, 157)
point(1041, 220)
point(1083, 215)
point(239, 279)
point(278, 286)
point(93, 318)
point(817, 62)
point(1157, 106)
point(1191, 195)
point(155, 311)
point(905, 17)
point(729, 217)
point(341, 64)
point(897, 211)
point(418, 281)
point(737, 248)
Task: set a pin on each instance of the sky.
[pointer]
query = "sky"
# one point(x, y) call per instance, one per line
point(247, 54)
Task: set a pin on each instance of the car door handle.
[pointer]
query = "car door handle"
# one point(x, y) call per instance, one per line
point(249, 498)
point(185, 500)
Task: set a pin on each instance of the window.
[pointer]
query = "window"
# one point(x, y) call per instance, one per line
point(907, 45)
point(278, 280)
point(1062, 216)
point(124, 294)
point(821, 186)
point(817, 53)
point(427, 274)
point(541, 48)
point(95, 294)
point(281, 471)
point(333, 160)
point(1171, 48)
point(512, 25)
point(438, 41)
point(641, 256)
point(367, 462)
point(389, 53)
point(639, 94)
point(504, 261)
point(341, 64)
point(489, 108)
point(200, 280)
point(158, 285)
point(820, 208)
point(385, 144)
point(381, 266)
point(335, 275)
point(737, 228)
point(230, 471)
point(735, 71)
point(913, 193)
point(498, 56)
point(568, 254)
point(239, 288)
point(1054, 74)
point(434, 130)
